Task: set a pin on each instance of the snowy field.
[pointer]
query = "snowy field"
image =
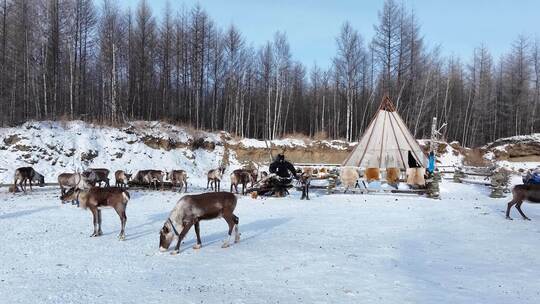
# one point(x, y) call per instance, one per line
point(332, 249)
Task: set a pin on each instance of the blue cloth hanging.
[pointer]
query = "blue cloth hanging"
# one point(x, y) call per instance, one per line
point(431, 162)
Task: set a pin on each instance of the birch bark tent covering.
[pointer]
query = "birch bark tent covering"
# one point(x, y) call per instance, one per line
point(386, 142)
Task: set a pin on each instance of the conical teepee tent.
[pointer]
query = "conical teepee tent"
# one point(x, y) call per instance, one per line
point(386, 142)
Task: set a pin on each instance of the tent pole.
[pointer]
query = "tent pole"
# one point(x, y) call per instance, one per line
point(397, 143)
point(415, 155)
point(382, 138)
point(369, 139)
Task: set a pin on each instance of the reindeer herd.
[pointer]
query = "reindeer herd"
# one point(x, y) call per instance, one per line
point(91, 189)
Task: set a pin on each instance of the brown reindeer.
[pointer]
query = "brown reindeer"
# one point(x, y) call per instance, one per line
point(150, 177)
point(121, 178)
point(178, 176)
point(305, 182)
point(27, 175)
point(241, 177)
point(97, 198)
point(214, 178)
point(101, 175)
point(190, 210)
point(520, 194)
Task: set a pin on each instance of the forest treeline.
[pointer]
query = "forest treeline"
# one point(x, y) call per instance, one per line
point(82, 59)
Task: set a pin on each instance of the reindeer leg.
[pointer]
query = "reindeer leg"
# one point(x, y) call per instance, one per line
point(198, 234)
point(121, 211)
point(99, 222)
point(95, 218)
point(230, 221)
point(236, 232)
point(23, 185)
point(510, 204)
point(218, 188)
point(518, 207)
point(181, 237)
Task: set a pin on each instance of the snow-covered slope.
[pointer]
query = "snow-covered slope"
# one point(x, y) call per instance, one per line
point(53, 147)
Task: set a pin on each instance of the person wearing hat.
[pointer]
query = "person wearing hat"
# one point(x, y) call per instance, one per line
point(282, 168)
point(283, 172)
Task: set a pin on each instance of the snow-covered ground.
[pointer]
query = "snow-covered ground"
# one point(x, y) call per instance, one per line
point(333, 249)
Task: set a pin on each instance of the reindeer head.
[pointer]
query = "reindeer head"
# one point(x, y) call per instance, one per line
point(128, 176)
point(41, 179)
point(70, 195)
point(166, 235)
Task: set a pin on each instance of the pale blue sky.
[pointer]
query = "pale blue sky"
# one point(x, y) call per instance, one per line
point(311, 26)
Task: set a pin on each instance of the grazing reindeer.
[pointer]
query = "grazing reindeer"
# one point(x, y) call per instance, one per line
point(243, 177)
point(27, 175)
point(214, 178)
point(97, 198)
point(178, 176)
point(122, 178)
point(190, 210)
point(150, 177)
point(305, 182)
point(523, 193)
point(101, 175)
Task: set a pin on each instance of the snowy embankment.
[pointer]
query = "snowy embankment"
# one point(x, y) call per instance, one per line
point(52, 148)
point(56, 147)
point(332, 249)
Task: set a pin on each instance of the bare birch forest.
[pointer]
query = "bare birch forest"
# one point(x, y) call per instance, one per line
point(82, 59)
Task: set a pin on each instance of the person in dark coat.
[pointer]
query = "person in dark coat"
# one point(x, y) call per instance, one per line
point(413, 163)
point(279, 183)
point(282, 168)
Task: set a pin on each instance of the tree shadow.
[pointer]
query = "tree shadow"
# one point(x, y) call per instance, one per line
point(252, 229)
point(25, 212)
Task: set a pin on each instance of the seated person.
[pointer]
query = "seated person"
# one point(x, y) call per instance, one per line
point(283, 172)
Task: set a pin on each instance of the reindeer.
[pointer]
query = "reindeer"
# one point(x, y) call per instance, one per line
point(101, 175)
point(122, 178)
point(27, 175)
point(75, 180)
point(150, 177)
point(176, 176)
point(349, 177)
point(214, 178)
point(243, 177)
point(97, 198)
point(190, 210)
point(520, 194)
point(305, 182)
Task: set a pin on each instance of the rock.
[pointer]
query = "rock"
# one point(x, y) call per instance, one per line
point(89, 156)
point(12, 139)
